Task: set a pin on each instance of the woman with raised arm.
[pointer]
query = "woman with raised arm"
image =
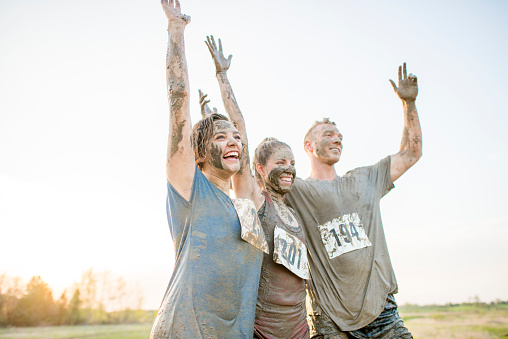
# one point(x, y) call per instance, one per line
point(213, 288)
point(280, 308)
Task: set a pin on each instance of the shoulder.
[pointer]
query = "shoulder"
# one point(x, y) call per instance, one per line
point(381, 165)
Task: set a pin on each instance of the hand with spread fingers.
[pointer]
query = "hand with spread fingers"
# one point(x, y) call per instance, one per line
point(408, 85)
point(203, 103)
point(173, 12)
point(221, 63)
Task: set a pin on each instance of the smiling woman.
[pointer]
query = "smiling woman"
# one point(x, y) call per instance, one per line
point(213, 288)
point(280, 308)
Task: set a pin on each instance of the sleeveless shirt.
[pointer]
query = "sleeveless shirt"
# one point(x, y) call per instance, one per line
point(280, 309)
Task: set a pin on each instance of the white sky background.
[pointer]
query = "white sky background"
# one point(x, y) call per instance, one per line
point(84, 114)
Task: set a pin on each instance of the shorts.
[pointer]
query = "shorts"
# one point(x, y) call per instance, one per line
point(388, 325)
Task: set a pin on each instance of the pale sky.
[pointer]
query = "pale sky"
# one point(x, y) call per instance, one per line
point(84, 120)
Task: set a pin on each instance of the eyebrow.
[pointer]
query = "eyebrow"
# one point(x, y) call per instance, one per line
point(331, 131)
point(225, 132)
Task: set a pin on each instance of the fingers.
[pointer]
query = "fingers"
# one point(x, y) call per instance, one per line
point(393, 85)
point(209, 44)
point(171, 3)
point(220, 46)
point(400, 74)
point(177, 5)
point(405, 71)
point(213, 42)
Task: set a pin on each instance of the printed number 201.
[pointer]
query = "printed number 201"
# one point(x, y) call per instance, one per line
point(344, 232)
point(291, 255)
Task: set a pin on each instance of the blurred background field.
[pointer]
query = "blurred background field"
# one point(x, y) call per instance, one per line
point(123, 331)
point(466, 321)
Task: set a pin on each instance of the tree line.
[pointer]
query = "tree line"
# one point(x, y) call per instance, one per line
point(99, 298)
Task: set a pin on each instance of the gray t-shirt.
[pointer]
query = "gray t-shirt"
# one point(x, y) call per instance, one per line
point(351, 271)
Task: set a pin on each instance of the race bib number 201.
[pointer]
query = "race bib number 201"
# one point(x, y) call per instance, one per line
point(291, 252)
point(344, 234)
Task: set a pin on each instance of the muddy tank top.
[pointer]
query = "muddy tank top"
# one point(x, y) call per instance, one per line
point(280, 308)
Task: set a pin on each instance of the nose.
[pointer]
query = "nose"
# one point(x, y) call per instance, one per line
point(232, 141)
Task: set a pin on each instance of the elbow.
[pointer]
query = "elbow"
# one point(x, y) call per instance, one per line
point(415, 156)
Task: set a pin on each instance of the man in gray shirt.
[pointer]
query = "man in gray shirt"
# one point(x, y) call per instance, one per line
point(353, 282)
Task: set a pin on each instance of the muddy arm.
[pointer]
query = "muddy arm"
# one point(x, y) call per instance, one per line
point(180, 155)
point(411, 144)
point(244, 183)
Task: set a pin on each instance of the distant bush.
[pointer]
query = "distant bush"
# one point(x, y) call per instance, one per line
point(97, 299)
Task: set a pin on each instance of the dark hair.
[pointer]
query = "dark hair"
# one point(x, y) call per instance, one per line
point(263, 152)
point(317, 123)
point(202, 132)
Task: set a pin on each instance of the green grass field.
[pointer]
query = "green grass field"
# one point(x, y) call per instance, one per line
point(125, 331)
point(443, 322)
point(460, 321)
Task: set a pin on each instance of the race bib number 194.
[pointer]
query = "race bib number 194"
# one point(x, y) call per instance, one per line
point(344, 234)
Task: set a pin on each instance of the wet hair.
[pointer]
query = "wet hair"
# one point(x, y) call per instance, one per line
point(263, 152)
point(309, 135)
point(202, 132)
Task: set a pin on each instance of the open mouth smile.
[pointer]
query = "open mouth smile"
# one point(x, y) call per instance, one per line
point(286, 179)
point(231, 155)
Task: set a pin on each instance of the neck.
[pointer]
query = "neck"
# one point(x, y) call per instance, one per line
point(322, 171)
point(275, 196)
point(220, 182)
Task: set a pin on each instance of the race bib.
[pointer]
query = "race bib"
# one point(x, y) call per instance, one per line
point(251, 226)
point(291, 252)
point(344, 234)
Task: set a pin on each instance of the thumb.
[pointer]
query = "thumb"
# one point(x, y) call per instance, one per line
point(393, 85)
point(230, 57)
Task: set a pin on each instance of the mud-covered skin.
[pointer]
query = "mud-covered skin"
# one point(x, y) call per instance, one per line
point(177, 79)
point(216, 155)
point(274, 178)
point(176, 138)
point(411, 142)
point(225, 138)
point(327, 143)
point(279, 164)
point(222, 65)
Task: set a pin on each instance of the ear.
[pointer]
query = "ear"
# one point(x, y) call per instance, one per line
point(308, 146)
point(200, 160)
point(260, 169)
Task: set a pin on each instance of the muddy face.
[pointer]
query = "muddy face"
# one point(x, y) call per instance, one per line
point(216, 155)
point(327, 144)
point(224, 148)
point(280, 171)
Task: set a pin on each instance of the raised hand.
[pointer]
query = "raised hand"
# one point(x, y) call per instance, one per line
point(203, 102)
point(174, 14)
point(221, 63)
point(408, 85)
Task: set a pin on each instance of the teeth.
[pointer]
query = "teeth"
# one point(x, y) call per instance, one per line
point(231, 154)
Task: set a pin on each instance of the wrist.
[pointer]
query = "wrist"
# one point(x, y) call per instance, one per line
point(408, 102)
point(221, 73)
point(176, 27)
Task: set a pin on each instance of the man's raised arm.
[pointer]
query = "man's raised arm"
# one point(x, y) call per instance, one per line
point(180, 155)
point(411, 144)
point(244, 183)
